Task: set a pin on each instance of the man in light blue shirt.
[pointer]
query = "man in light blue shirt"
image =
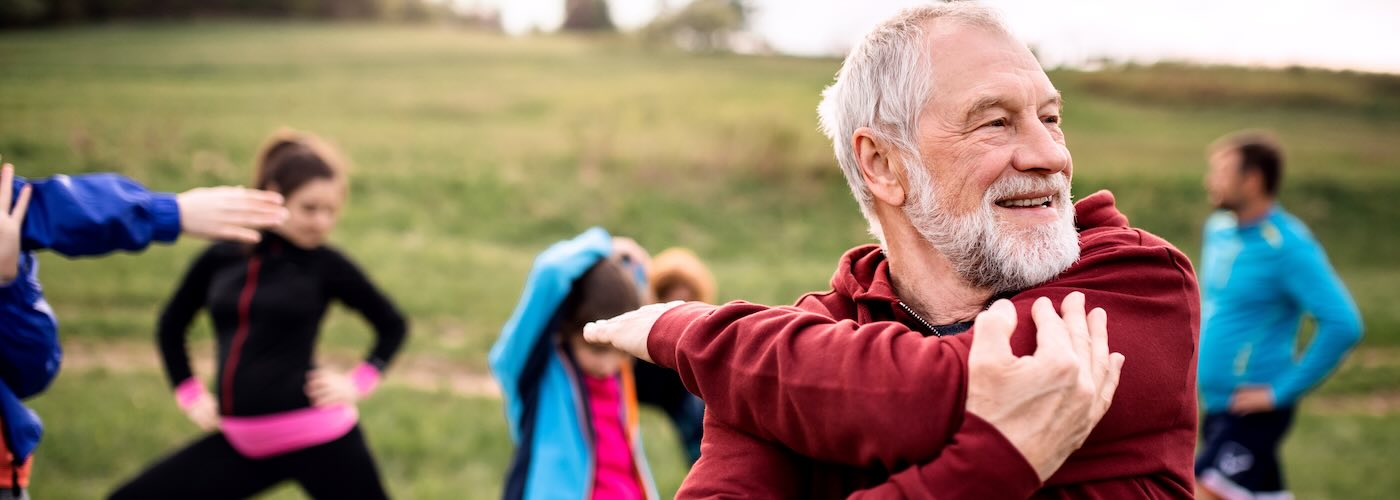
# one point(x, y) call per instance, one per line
point(1261, 272)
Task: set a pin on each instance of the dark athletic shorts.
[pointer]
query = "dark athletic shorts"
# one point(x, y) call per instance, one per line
point(1239, 456)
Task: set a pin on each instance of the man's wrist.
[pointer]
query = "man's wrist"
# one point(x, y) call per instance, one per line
point(1042, 451)
point(1035, 457)
point(665, 334)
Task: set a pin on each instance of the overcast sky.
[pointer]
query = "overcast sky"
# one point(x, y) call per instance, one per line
point(1343, 34)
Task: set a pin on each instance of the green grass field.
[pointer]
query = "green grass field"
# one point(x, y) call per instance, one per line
point(473, 152)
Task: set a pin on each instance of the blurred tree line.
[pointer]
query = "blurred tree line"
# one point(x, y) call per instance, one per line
point(701, 25)
point(50, 12)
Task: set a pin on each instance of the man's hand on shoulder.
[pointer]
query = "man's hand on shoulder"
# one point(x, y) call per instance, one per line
point(1045, 404)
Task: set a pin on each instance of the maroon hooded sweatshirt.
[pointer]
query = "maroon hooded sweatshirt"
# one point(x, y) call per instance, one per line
point(847, 394)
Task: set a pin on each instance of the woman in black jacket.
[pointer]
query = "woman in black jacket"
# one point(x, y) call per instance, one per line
point(277, 415)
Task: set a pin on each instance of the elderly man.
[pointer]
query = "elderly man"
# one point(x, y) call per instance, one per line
point(948, 132)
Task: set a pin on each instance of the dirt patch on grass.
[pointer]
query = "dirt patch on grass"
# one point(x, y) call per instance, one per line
point(411, 370)
point(1379, 404)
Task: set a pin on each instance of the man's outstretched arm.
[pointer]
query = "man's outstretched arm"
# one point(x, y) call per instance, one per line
point(1039, 407)
point(827, 388)
point(95, 214)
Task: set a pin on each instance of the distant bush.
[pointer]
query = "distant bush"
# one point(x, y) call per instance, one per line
point(1194, 85)
point(586, 15)
point(21, 11)
point(702, 25)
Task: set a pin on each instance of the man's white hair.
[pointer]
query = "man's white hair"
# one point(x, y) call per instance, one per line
point(883, 84)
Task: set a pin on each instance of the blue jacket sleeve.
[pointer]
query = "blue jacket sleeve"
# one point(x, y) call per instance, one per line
point(550, 280)
point(96, 214)
point(29, 349)
point(1315, 286)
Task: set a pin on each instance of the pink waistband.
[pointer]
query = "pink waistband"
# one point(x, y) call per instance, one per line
point(266, 436)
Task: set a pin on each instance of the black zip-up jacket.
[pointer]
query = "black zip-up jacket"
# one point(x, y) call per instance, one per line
point(266, 303)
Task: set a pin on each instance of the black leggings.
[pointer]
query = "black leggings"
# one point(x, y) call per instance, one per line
point(211, 468)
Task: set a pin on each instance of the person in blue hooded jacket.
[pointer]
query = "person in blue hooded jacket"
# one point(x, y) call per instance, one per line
point(571, 405)
point(80, 216)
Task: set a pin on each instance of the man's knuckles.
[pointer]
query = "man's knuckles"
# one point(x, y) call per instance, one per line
point(1060, 365)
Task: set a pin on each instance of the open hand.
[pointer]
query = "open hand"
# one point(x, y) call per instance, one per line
point(11, 223)
point(229, 213)
point(1046, 403)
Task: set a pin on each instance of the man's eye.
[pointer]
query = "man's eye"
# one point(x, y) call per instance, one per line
point(999, 122)
point(1052, 119)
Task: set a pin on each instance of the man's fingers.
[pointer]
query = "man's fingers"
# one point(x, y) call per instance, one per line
point(1098, 339)
point(22, 204)
point(1072, 311)
point(991, 334)
point(629, 331)
point(599, 332)
point(1110, 383)
point(1050, 333)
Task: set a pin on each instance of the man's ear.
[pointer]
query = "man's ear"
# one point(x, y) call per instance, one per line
point(880, 166)
point(1252, 183)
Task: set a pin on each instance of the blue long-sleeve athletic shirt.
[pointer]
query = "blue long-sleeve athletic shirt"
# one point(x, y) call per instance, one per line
point(1258, 279)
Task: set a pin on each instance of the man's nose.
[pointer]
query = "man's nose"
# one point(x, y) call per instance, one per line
point(1038, 150)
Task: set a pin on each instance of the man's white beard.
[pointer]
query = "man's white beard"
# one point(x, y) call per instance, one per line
point(993, 254)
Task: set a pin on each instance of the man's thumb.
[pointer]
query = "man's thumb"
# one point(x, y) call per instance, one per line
point(991, 334)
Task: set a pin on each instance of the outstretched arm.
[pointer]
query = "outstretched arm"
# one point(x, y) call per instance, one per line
point(95, 214)
point(1038, 406)
point(824, 385)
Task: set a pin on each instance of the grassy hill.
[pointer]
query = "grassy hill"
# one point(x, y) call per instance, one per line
point(473, 152)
